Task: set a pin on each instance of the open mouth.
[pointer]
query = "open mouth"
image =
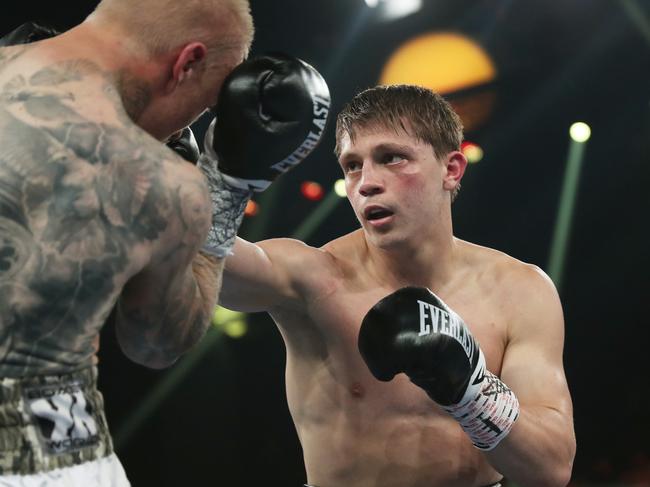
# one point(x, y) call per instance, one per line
point(376, 213)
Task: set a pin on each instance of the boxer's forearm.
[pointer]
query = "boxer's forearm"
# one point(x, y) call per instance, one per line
point(156, 335)
point(538, 451)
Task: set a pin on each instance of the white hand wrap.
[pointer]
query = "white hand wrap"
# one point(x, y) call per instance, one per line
point(488, 409)
point(228, 203)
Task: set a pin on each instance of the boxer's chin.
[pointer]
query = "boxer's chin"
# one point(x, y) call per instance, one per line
point(384, 238)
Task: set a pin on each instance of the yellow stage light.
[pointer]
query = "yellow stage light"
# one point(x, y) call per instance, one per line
point(443, 62)
point(447, 63)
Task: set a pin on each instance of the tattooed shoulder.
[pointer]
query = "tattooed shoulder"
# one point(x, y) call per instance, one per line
point(83, 191)
point(91, 171)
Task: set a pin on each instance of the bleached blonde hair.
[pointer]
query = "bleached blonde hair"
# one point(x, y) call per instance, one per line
point(162, 25)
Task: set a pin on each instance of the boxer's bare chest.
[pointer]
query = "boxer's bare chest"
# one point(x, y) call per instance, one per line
point(364, 424)
point(337, 313)
point(323, 341)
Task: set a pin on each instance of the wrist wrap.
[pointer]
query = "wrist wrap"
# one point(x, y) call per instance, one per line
point(488, 409)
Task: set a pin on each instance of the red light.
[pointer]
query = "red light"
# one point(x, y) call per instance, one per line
point(252, 208)
point(311, 190)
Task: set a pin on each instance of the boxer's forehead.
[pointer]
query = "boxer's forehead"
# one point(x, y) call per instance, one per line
point(376, 136)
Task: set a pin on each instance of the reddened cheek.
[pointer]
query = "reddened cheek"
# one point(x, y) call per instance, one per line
point(415, 182)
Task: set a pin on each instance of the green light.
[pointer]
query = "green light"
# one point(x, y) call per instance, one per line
point(148, 404)
point(235, 328)
point(637, 15)
point(580, 132)
point(231, 323)
point(339, 188)
point(318, 216)
point(564, 217)
point(223, 315)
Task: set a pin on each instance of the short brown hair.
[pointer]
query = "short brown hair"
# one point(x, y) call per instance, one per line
point(430, 118)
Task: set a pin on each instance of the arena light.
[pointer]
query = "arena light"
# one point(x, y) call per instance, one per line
point(339, 188)
point(163, 389)
point(568, 196)
point(449, 63)
point(472, 152)
point(252, 208)
point(580, 132)
point(394, 9)
point(229, 322)
point(637, 15)
point(235, 329)
point(322, 211)
point(312, 190)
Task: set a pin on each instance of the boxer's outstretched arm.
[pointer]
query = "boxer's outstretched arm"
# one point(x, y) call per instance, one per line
point(272, 274)
point(165, 308)
point(540, 448)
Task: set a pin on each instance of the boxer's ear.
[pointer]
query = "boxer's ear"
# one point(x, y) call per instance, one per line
point(187, 64)
point(454, 164)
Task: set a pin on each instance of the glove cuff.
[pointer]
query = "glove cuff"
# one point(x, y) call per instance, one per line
point(228, 205)
point(488, 410)
point(257, 185)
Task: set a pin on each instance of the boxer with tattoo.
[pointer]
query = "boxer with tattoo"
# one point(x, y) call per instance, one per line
point(96, 213)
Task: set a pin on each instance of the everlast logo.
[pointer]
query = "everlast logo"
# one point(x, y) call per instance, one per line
point(437, 320)
point(321, 110)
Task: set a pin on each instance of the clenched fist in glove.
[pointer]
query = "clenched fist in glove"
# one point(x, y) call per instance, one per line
point(414, 332)
point(271, 114)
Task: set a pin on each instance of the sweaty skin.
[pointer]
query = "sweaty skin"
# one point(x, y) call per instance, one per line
point(357, 431)
point(87, 201)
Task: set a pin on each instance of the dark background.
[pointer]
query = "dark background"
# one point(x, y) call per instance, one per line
point(226, 422)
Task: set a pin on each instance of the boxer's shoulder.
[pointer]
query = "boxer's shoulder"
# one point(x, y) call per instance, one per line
point(492, 267)
point(347, 252)
point(516, 288)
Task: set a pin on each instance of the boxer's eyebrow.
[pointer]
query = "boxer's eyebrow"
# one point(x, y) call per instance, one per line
point(392, 147)
point(346, 156)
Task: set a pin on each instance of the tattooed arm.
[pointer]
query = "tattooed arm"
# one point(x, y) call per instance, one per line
point(166, 308)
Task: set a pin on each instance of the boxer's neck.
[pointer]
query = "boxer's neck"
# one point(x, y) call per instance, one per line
point(116, 54)
point(427, 262)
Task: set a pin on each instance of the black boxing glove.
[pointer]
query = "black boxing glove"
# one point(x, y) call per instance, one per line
point(26, 33)
point(184, 144)
point(272, 112)
point(415, 332)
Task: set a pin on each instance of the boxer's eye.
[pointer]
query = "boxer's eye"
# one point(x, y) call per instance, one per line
point(352, 166)
point(392, 158)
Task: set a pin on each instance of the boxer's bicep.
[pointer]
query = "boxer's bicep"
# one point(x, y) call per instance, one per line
point(266, 275)
point(532, 364)
point(541, 446)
